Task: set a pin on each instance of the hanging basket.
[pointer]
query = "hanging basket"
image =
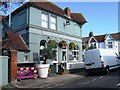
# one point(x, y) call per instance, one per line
point(72, 45)
point(62, 44)
point(52, 43)
point(84, 47)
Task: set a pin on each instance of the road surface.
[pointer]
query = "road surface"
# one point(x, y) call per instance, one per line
point(110, 82)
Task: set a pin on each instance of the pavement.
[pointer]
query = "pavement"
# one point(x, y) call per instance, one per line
point(49, 82)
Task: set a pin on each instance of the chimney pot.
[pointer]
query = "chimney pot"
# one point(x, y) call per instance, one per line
point(67, 11)
point(91, 34)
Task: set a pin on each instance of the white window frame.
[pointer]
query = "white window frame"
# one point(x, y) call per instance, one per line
point(76, 57)
point(26, 57)
point(64, 58)
point(110, 44)
point(44, 20)
point(53, 22)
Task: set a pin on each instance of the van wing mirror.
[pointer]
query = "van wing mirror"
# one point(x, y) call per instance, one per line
point(117, 56)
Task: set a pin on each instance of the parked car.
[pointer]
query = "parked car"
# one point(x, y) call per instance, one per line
point(101, 60)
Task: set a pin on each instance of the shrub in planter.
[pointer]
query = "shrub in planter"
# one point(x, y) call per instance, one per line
point(47, 53)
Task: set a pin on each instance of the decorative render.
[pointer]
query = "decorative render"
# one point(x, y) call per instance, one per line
point(40, 22)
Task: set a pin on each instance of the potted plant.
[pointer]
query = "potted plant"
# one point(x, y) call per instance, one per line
point(72, 45)
point(62, 44)
point(48, 54)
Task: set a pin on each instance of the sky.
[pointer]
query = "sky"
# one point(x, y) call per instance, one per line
point(101, 17)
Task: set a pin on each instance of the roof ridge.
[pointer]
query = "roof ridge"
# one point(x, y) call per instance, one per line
point(53, 8)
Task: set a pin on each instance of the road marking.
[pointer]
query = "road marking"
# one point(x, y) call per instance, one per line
point(101, 77)
point(94, 80)
point(118, 84)
point(87, 82)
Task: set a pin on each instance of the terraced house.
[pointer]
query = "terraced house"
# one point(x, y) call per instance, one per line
point(106, 41)
point(43, 23)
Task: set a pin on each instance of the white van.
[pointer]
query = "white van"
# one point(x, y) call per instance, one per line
point(101, 59)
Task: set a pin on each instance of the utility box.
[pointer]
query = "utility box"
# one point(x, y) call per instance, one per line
point(3, 70)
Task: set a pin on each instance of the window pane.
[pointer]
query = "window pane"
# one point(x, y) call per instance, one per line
point(53, 26)
point(53, 19)
point(109, 42)
point(53, 23)
point(45, 17)
point(44, 24)
point(110, 45)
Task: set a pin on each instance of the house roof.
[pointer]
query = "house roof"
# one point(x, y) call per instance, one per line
point(13, 41)
point(50, 7)
point(101, 38)
point(78, 17)
point(116, 36)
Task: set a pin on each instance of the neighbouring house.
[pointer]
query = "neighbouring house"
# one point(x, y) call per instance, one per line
point(39, 24)
point(12, 45)
point(107, 41)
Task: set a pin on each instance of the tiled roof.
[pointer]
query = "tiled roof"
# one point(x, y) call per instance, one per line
point(116, 36)
point(78, 17)
point(50, 7)
point(101, 38)
point(13, 41)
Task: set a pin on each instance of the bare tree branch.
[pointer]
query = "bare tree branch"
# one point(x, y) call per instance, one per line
point(4, 6)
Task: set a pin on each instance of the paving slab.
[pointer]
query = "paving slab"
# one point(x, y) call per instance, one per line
point(51, 81)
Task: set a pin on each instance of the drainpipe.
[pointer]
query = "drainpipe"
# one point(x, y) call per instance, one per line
point(10, 14)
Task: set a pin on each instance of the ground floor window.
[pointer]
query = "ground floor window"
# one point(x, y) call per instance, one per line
point(75, 53)
point(26, 58)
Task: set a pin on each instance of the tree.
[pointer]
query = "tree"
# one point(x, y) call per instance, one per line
point(5, 6)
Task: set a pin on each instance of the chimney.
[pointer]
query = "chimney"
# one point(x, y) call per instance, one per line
point(67, 11)
point(91, 34)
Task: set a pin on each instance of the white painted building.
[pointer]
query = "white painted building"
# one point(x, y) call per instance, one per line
point(107, 41)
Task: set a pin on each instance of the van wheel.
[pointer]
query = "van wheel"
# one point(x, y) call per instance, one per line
point(107, 70)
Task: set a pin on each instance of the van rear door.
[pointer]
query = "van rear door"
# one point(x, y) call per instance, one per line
point(92, 59)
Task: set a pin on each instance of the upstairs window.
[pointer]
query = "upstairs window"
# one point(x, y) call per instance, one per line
point(110, 45)
point(53, 23)
point(44, 20)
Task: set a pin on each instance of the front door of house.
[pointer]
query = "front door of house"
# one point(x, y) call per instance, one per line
point(64, 53)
